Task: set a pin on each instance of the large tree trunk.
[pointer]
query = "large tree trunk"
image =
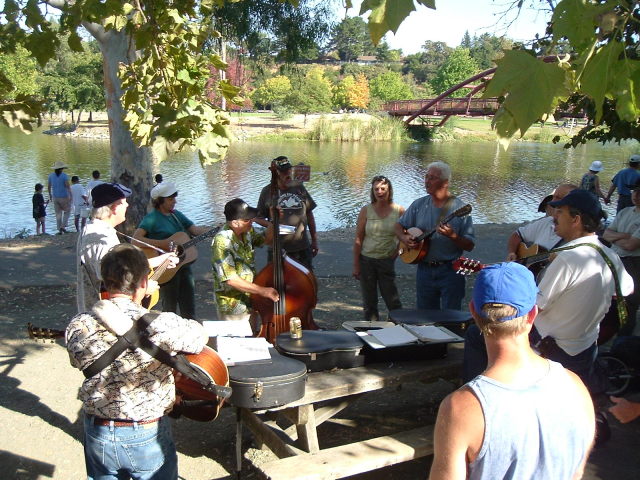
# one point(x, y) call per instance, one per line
point(130, 165)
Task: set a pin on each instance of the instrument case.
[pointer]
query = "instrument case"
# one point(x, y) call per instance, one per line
point(323, 350)
point(267, 385)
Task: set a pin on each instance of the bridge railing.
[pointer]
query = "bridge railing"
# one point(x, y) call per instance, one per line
point(450, 104)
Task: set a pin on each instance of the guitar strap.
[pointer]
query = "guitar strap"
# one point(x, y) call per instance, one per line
point(136, 337)
point(621, 304)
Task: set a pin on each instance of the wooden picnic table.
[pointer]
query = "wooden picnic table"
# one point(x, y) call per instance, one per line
point(326, 394)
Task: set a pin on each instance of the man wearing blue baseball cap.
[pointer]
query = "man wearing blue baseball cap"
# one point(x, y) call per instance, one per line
point(524, 416)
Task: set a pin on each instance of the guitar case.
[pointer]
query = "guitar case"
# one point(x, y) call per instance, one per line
point(267, 385)
point(323, 350)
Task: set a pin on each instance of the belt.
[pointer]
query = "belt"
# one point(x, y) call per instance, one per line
point(106, 422)
point(438, 263)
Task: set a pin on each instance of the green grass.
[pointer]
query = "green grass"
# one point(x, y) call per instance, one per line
point(349, 129)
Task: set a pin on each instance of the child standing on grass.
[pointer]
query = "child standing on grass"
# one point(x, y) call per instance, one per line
point(38, 209)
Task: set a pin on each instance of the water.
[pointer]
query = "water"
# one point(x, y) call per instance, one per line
point(502, 187)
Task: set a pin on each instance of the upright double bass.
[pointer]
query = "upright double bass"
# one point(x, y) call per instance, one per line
point(296, 285)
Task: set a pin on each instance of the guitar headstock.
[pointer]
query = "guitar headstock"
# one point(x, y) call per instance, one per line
point(44, 334)
point(467, 266)
point(462, 211)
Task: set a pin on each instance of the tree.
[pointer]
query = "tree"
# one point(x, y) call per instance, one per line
point(486, 49)
point(272, 92)
point(458, 67)
point(21, 70)
point(425, 64)
point(310, 93)
point(466, 40)
point(352, 92)
point(390, 86)
point(351, 39)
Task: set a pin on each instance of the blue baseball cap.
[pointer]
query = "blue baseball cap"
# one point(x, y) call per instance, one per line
point(508, 283)
point(582, 200)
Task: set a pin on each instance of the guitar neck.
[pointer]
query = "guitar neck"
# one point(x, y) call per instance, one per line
point(201, 237)
point(430, 234)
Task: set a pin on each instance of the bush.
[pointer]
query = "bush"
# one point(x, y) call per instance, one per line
point(282, 112)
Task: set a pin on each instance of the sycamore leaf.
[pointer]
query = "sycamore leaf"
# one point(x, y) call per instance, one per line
point(626, 90)
point(600, 72)
point(75, 42)
point(387, 15)
point(576, 20)
point(516, 73)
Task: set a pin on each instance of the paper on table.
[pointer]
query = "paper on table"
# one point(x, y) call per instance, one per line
point(393, 336)
point(236, 350)
point(430, 333)
point(235, 328)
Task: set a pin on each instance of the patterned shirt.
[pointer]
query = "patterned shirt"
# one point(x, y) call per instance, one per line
point(135, 386)
point(234, 257)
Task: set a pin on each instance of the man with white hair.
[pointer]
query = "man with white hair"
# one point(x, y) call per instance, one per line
point(100, 236)
point(437, 284)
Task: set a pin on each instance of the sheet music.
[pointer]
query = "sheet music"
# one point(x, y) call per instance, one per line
point(431, 333)
point(236, 350)
point(392, 336)
point(235, 328)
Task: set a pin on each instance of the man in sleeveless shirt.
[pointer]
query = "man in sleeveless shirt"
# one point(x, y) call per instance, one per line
point(522, 417)
point(438, 286)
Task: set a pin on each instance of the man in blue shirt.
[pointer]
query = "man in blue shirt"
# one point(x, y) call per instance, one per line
point(626, 176)
point(438, 286)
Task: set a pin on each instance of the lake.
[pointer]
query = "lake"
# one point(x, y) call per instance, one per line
point(502, 186)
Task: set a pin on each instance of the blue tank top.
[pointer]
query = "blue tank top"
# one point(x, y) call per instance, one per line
point(533, 432)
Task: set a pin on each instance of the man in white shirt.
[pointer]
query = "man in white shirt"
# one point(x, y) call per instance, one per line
point(540, 232)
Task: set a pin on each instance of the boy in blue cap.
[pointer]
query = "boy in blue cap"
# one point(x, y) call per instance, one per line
point(524, 416)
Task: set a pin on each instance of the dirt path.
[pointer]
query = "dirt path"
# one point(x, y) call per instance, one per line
point(39, 413)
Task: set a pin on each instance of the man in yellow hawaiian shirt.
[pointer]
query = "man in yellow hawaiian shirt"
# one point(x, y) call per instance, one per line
point(233, 260)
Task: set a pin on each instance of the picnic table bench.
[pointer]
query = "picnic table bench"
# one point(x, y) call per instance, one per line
point(328, 393)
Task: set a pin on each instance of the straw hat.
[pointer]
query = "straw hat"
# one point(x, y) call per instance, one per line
point(59, 164)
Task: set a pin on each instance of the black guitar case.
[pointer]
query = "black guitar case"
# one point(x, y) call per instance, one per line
point(323, 350)
point(267, 385)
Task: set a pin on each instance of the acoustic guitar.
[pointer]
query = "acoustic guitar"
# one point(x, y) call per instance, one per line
point(415, 255)
point(195, 401)
point(185, 250)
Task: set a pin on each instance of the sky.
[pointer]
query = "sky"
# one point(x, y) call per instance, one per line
point(453, 17)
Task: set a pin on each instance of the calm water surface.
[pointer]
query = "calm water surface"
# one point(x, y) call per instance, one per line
point(501, 186)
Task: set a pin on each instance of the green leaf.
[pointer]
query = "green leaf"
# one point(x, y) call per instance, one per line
point(576, 20)
point(11, 10)
point(516, 73)
point(600, 73)
point(75, 42)
point(387, 15)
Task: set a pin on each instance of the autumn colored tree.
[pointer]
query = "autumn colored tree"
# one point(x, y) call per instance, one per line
point(359, 94)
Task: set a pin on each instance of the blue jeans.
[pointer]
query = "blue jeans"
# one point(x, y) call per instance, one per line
point(583, 364)
point(439, 288)
point(139, 452)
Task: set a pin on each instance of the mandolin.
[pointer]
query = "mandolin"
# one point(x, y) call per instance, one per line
point(195, 401)
point(415, 255)
point(185, 250)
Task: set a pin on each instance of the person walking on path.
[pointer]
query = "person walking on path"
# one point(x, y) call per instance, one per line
point(375, 249)
point(39, 206)
point(524, 416)
point(626, 176)
point(60, 194)
point(590, 181)
point(79, 200)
